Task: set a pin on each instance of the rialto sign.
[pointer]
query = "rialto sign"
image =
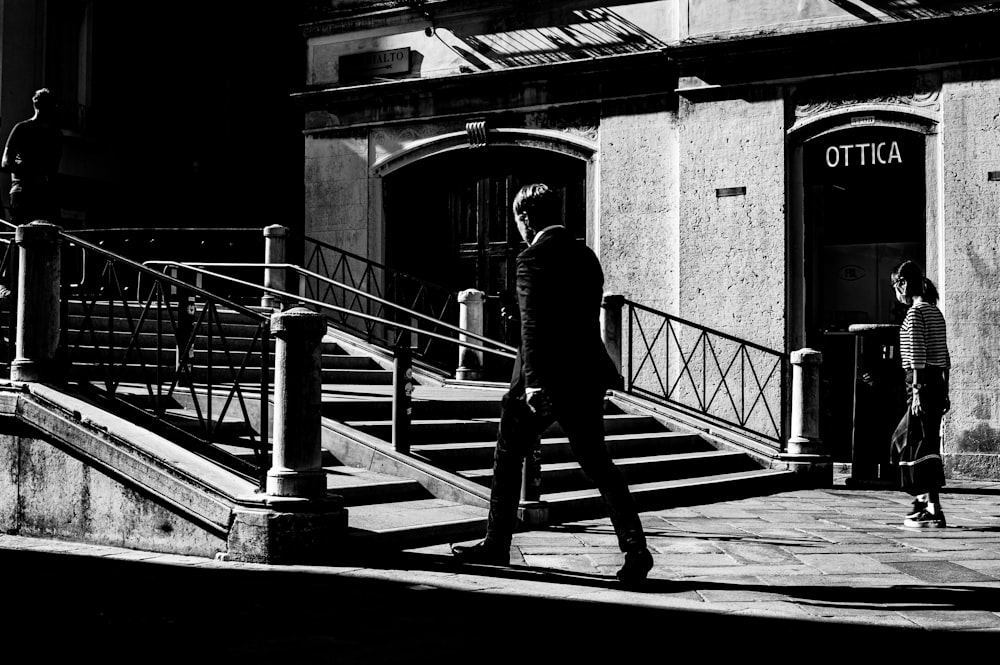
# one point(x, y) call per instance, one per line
point(863, 154)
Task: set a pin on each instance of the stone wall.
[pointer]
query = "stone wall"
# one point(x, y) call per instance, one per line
point(336, 190)
point(49, 493)
point(732, 248)
point(637, 234)
point(970, 256)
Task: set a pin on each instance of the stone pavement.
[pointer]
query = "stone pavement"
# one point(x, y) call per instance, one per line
point(812, 564)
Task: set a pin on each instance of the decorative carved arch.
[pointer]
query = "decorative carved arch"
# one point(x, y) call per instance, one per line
point(477, 136)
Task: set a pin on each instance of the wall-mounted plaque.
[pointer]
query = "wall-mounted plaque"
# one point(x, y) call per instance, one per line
point(361, 66)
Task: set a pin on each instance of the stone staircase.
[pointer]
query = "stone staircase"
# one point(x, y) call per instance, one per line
point(439, 492)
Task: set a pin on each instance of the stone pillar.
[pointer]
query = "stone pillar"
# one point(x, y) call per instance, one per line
point(611, 326)
point(38, 280)
point(274, 252)
point(806, 454)
point(470, 318)
point(296, 468)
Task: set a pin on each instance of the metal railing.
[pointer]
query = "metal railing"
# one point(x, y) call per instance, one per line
point(336, 312)
point(8, 302)
point(167, 350)
point(183, 244)
point(707, 372)
point(346, 276)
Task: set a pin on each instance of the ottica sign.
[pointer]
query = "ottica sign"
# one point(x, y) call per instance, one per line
point(863, 154)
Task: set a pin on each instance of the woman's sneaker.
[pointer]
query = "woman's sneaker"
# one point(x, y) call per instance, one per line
point(918, 507)
point(926, 520)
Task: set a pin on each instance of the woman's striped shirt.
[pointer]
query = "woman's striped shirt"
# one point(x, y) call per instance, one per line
point(923, 339)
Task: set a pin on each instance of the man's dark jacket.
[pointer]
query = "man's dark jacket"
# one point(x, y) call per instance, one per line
point(559, 289)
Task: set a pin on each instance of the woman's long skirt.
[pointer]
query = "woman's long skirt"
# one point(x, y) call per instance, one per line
point(916, 443)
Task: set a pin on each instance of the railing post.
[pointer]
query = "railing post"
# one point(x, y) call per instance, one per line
point(296, 468)
point(470, 318)
point(38, 288)
point(402, 400)
point(274, 252)
point(531, 510)
point(807, 455)
point(611, 327)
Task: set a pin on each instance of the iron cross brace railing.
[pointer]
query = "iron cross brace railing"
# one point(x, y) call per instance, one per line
point(707, 372)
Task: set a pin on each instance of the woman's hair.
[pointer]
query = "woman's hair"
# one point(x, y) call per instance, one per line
point(916, 283)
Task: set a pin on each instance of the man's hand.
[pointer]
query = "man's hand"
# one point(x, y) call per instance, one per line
point(915, 407)
point(539, 402)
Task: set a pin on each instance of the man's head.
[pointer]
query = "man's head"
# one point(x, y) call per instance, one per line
point(535, 208)
point(43, 100)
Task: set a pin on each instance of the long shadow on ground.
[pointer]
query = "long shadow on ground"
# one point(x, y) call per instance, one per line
point(60, 605)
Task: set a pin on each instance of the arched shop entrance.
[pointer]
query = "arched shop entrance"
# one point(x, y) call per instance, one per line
point(448, 220)
point(864, 210)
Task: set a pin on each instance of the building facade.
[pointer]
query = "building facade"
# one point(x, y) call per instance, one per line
point(756, 167)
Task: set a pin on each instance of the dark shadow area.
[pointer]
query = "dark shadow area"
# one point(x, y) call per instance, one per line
point(61, 605)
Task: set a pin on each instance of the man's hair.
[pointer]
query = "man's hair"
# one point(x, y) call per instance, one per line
point(43, 99)
point(540, 203)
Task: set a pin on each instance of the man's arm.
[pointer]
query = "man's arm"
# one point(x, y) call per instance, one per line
point(7, 161)
point(527, 303)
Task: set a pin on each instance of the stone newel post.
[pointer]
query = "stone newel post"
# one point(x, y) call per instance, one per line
point(274, 252)
point(611, 326)
point(296, 469)
point(470, 318)
point(38, 299)
point(807, 454)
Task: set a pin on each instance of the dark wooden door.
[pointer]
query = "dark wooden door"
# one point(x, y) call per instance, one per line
point(449, 220)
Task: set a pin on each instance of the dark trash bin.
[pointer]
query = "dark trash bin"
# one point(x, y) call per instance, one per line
point(879, 403)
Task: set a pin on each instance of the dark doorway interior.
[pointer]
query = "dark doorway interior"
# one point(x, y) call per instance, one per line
point(448, 220)
point(865, 204)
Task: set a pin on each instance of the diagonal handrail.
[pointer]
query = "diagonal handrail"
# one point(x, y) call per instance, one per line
point(690, 368)
point(201, 268)
point(381, 281)
point(173, 352)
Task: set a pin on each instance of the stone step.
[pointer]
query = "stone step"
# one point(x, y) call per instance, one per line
point(412, 524)
point(478, 429)
point(587, 503)
point(567, 476)
point(556, 449)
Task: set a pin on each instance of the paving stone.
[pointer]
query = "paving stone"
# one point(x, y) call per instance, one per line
point(682, 546)
point(810, 579)
point(940, 572)
point(774, 609)
point(988, 567)
point(740, 595)
point(855, 564)
point(575, 562)
point(954, 619)
point(757, 553)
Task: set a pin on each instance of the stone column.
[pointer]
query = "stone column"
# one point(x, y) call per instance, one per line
point(611, 326)
point(274, 252)
point(470, 318)
point(807, 455)
point(296, 468)
point(38, 289)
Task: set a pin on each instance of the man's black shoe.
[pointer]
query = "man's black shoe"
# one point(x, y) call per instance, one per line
point(638, 563)
point(483, 552)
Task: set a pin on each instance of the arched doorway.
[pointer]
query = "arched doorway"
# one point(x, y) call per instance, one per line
point(447, 219)
point(864, 206)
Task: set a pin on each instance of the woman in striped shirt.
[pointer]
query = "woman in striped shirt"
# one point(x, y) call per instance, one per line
point(924, 351)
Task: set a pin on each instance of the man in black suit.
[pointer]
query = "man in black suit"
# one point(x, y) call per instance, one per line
point(561, 373)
